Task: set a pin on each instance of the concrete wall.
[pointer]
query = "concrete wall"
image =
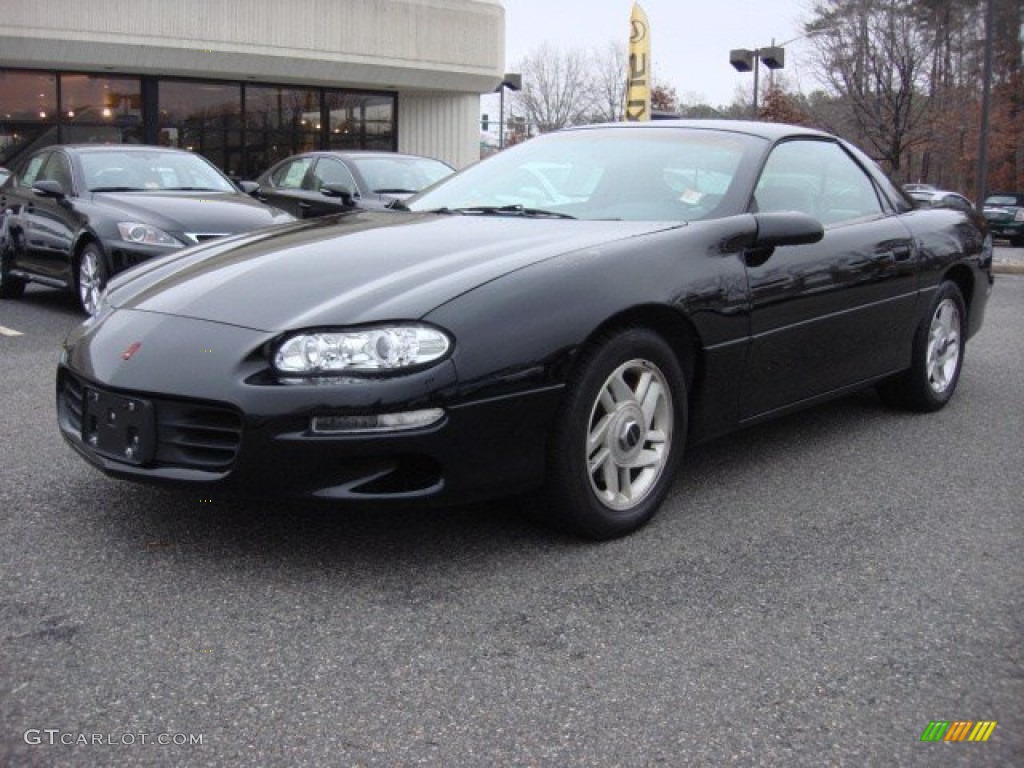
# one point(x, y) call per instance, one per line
point(445, 126)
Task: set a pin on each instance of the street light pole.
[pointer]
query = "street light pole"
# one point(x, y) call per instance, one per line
point(745, 60)
point(514, 82)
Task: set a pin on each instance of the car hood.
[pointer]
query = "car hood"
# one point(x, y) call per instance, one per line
point(354, 268)
point(222, 213)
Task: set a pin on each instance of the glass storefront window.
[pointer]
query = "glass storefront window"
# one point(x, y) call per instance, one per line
point(100, 110)
point(28, 112)
point(243, 129)
point(203, 117)
point(279, 122)
point(361, 121)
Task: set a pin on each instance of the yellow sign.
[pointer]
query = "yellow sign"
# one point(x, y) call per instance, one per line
point(638, 93)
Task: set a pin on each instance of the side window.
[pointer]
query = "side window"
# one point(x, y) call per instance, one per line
point(57, 169)
point(817, 178)
point(290, 175)
point(332, 172)
point(30, 175)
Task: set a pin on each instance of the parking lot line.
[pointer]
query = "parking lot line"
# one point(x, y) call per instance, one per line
point(4, 331)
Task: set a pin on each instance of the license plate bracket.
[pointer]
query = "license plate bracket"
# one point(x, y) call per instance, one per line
point(119, 427)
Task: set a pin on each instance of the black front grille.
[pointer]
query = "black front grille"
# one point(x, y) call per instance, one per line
point(202, 436)
point(71, 403)
point(196, 435)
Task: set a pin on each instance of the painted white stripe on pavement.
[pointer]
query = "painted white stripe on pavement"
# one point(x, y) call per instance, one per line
point(8, 331)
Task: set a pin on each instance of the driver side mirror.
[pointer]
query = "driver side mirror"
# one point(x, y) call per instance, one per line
point(49, 188)
point(339, 190)
point(249, 188)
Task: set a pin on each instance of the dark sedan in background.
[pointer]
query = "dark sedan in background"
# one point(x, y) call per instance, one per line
point(565, 316)
point(74, 215)
point(319, 183)
point(1004, 212)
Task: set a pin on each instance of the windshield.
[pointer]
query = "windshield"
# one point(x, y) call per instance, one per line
point(138, 170)
point(650, 175)
point(400, 174)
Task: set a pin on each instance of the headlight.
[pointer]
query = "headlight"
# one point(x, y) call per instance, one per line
point(137, 232)
point(364, 349)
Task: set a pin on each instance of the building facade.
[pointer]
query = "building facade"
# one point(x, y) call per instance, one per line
point(247, 82)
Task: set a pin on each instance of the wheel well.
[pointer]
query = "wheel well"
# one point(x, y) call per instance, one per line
point(961, 275)
point(674, 328)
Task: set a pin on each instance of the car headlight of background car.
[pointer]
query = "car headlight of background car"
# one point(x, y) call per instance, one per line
point(360, 350)
point(137, 232)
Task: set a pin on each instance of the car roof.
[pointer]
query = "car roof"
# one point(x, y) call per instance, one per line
point(120, 148)
point(769, 131)
point(343, 153)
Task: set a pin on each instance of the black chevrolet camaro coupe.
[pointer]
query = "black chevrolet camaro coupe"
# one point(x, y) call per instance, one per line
point(562, 318)
point(71, 216)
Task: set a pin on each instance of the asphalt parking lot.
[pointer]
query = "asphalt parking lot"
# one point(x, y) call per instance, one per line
point(815, 592)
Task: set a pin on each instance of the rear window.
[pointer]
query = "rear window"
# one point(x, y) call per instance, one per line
point(1005, 200)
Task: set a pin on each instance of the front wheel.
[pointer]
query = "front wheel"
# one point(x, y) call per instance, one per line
point(10, 287)
point(619, 436)
point(91, 278)
point(938, 356)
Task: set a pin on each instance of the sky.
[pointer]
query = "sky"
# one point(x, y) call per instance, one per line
point(690, 39)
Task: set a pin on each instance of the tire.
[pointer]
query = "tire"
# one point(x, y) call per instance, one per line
point(10, 287)
point(90, 277)
point(938, 356)
point(619, 436)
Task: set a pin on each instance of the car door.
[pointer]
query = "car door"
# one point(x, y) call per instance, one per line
point(40, 227)
point(834, 313)
point(328, 171)
point(285, 190)
point(52, 221)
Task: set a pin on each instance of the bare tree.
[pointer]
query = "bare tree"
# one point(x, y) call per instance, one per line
point(608, 82)
point(556, 88)
point(875, 56)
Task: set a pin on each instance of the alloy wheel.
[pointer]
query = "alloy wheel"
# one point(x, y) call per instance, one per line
point(90, 281)
point(629, 435)
point(943, 346)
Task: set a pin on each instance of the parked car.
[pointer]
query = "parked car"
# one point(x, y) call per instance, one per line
point(1004, 212)
point(319, 183)
point(498, 336)
point(909, 188)
point(74, 215)
point(941, 198)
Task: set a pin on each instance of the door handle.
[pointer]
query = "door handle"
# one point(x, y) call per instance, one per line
point(901, 252)
point(305, 206)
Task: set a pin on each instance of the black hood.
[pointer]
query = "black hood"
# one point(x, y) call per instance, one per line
point(355, 268)
point(178, 212)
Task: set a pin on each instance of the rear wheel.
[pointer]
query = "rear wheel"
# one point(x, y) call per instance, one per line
point(938, 356)
point(91, 278)
point(619, 436)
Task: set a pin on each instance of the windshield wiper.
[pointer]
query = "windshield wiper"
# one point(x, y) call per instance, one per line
point(394, 191)
point(506, 210)
point(117, 189)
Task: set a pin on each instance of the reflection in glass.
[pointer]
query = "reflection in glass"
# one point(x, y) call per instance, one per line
point(361, 121)
point(279, 122)
point(203, 117)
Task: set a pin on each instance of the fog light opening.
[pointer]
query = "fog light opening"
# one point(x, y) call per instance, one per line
point(382, 422)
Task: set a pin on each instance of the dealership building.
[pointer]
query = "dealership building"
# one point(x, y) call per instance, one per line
point(247, 82)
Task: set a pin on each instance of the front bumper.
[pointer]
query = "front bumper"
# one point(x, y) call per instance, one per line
point(215, 423)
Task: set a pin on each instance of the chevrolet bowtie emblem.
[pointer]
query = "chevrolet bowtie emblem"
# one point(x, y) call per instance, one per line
point(132, 349)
